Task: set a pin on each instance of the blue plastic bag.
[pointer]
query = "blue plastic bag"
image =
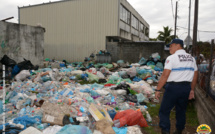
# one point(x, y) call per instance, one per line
point(74, 129)
point(122, 130)
point(1, 107)
point(142, 61)
point(137, 79)
point(15, 70)
point(27, 121)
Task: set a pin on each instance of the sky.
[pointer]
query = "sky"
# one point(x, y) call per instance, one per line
point(157, 13)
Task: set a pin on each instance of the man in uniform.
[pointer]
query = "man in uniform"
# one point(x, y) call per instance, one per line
point(180, 77)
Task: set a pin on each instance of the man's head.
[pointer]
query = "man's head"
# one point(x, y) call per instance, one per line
point(175, 45)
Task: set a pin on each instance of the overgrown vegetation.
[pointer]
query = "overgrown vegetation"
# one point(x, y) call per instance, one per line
point(205, 49)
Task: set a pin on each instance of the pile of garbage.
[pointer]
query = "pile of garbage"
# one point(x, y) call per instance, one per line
point(81, 98)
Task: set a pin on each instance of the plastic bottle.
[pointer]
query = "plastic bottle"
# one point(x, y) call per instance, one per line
point(22, 112)
point(148, 117)
point(42, 126)
point(28, 110)
point(38, 112)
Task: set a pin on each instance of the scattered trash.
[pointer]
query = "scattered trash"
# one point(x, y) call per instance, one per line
point(81, 97)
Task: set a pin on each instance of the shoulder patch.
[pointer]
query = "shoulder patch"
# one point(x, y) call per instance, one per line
point(167, 61)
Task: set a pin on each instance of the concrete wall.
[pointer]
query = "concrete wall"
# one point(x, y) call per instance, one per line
point(22, 41)
point(205, 108)
point(133, 51)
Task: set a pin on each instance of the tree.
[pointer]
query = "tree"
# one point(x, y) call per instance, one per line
point(165, 35)
point(205, 49)
point(153, 39)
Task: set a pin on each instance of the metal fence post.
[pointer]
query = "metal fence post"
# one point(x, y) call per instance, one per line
point(3, 76)
point(210, 67)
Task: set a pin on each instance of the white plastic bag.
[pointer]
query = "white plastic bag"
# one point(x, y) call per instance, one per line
point(100, 75)
point(77, 72)
point(132, 72)
point(52, 129)
point(134, 130)
point(22, 75)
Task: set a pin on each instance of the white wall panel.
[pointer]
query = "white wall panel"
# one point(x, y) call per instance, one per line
point(74, 28)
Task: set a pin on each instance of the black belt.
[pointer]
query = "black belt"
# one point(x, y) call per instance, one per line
point(180, 82)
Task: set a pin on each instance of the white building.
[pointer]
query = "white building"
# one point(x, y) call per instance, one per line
point(76, 28)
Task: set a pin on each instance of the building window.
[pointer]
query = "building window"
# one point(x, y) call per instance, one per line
point(124, 14)
point(142, 27)
point(134, 22)
point(147, 31)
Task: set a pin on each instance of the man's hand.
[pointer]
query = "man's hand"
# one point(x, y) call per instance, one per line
point(157, 95)
point(191, 96)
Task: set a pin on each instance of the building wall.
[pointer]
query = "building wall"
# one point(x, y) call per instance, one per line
point(133, 51)
point(126, 30)
point(22, 41)
point(74, 28)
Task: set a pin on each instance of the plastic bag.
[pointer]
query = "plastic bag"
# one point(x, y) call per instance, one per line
point(150, 63)
point(7, 61)
point(92, 70)
point(92, 77)
point(109, 66)
point(77, 72)
point(27, 121)
point(142, 61)
point(113, 79)
point(132, 72)
point(104, 70)
point(134, 130)
point(159, 65)
point(121, 63)
point(74, 129)
point(122, 130)
point(135, 87)
point(22, 75)
point(100, 75)
point(52, 129)
point(15, 70)
point(122, 73)
point(156, 55)
point(137, 79)
point(140, 97)
point(1, 107)
point(25, 65)
point(135, 65)
point(141, 71)
point(130, 117)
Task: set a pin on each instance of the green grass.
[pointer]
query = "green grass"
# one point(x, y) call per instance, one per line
point(191, 115)
point(150, 130)
point(153, 110)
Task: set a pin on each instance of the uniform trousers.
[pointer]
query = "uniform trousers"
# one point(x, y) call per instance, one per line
point(176, 94)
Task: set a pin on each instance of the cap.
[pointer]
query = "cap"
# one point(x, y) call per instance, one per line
point(177, 41)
